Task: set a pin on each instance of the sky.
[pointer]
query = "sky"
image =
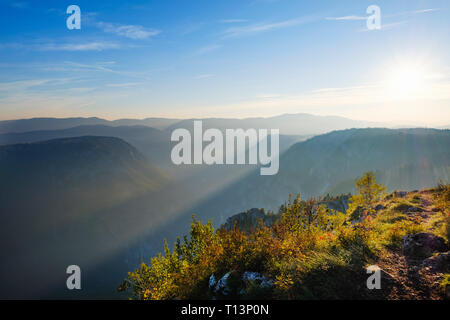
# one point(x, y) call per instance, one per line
point(226, 58)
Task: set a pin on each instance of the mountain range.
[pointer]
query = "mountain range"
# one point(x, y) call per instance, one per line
point(104, 195)
point(287, 123)
point(405, 159)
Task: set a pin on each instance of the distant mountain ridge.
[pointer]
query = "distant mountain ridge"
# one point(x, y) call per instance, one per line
point(154, 143)
point(36, 124)
point(94, 155)
point(289, 124)
point(402, 159)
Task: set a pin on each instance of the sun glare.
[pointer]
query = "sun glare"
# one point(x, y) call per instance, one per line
point(407, 81)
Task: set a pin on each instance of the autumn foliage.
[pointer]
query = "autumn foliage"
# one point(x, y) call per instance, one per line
point(310, 252)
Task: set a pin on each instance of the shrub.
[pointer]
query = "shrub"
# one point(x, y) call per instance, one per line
point(443, 204)
point(369, 192)
point(310, 252)
point(399, 229)
point(445, 285)
point(416, 199)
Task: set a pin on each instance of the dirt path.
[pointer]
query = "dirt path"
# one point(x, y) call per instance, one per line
point(406, 278)
point(426, 203)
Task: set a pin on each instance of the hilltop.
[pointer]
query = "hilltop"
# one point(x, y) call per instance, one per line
point(308, 251)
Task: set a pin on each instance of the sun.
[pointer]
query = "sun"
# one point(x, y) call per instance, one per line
point(406, 80)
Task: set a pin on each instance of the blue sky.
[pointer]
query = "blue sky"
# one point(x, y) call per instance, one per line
point(226, 58)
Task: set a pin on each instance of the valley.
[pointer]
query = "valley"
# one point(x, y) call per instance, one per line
point(104, 196)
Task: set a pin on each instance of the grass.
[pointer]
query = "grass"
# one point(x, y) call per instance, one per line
point(438, 225)
point(322, 258)
point(415, 199)
point(445, 283)
point(402, 206)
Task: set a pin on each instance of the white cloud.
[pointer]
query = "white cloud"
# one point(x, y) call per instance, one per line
point(414, 12)
point(425, 11)
point(100, 67)
point(134, 32)
point(263, 27)
point(95, 67)
point(21, 85)
point(87, 46)
point(347, 18)
point(66, 46)
point(24, 85)
point(385, 26)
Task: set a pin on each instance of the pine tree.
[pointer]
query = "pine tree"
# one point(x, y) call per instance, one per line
point(369, 193)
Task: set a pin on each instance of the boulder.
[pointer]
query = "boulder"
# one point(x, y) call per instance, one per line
point(414, 210)
point(438, 263)
point(256, 278)
point(423, 245)
point(222, 285)
point(232, 283)
point(379, 207)
point(255, 286)
point(212, 281)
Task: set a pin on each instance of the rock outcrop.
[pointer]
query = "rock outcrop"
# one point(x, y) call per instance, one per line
point(256, 278)
point(414, 210)
point(233, 285)
point(423, 245)
point(438, 263)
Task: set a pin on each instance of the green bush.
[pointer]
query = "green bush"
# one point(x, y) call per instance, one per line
point(445, 285)
point(310, 252)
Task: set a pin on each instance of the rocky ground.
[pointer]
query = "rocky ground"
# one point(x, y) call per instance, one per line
point(412, 276)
